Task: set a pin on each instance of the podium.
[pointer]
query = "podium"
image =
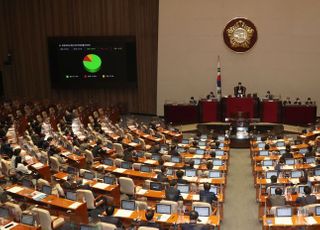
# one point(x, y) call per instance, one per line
point(299, 114)
point(181, 113)
point(234, 105)
point(270, 111)
point(209, 110)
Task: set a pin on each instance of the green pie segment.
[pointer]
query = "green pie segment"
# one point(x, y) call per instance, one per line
point(92, 63)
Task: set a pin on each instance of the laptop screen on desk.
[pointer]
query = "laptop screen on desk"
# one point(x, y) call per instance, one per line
point(280, 144)
point(163, 208)
point(317, 172)
point(191, 172)
point(108, 161)
point(269, 174)
point(181, 150)
point(128, 204)
point(202, 211)
point(215, 174)
point(27, 219)
point(263, 153)
point(27, 183)
point(4, 212)
point(310, 160)
point(145, 168)
point(199, 151)
point(214, 189)
point(261, 145)
point(175, 159)
point(282, 151)
point(71, 170)
point(273, 190)
point(284, 212)
point(155, 186)
point(183, 188)
point(317, 210)
point(185, 141)
point(301, 189)
point(219, 153)
point(170, 171)
point(201, 143)
point(267, 163)
point(109, 180)
point(296, 174)
point(289, 161)
point(88, 175)
point(217, 162)
point(196, 161)
point(303, 151)
point(71, 196)
point(88, 227)
point(47, 189)
point(126, 165)
point(155, 157)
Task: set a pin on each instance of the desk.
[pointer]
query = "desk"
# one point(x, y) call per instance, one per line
point(17, 226)
point(181, 113)
point(79, 209)
point(270, 222)
point(270, 111)
point(209, 110)
point(299, 114)
point(233, 105)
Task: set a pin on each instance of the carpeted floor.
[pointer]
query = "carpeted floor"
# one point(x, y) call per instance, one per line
point(240, 207)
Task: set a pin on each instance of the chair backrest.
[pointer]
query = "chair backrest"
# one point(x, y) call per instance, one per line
point(5, 167)
point(44, 218)
point(202, 204)
point(42, 182)
point(147, 228)
point(174, 205)
point(82, 171)
point(136, 166)
point(15, 210)
point(118, 147)
point(117, 162)
point(89, 156)
point(106, 226)
point(141, 205)
point(126, 185)
point(54, 164)
point(87, 196)
point(143, 143)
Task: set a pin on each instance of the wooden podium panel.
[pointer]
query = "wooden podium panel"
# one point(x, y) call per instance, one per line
point(181, 113)
point(299, 114)
point(209, 111)
point(270, 111)
point(234, 105)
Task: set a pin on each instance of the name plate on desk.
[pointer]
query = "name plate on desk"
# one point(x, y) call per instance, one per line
point(15, 189)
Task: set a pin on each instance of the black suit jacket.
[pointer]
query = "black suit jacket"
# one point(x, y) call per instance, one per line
point(208, 197)
point(194, 227)
point(172, 194)
point(111, 220)
point(162, 178)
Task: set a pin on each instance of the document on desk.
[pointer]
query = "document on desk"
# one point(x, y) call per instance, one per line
point(38, 165)
point(38, 195)
point(142, 191)
point(169, 164)
point(133, 144)
point(203, 220)
point(100, 185)
point(123, 213)
point(205, 180)
point(268, 181)
point(184, 195)
point(196, 197)
point(190, 179)
point(294, 180)
point(84, 181)
point(287, 167)
point(65, 154)
point(150, 162)
point(283, 221)
point(15, 189)
point(75, 205)
point(119, 170)
point(164, 217)
point(310, 220)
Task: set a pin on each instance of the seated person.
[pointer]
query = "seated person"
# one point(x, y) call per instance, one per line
point(308, 101)
point(190, 165)
point(279, 164)
point(109, 218)
point(192, 101)
point(206, 195)
point(287, 101)
point(192, 225)
point(269, 95)
point(297, 101)
point(308, 198)
point(149, 220)
point(19, 167)
point(311, 151)
point(239, 90)
point(179, 179)
point(172, 193)
point(277, 199)
point(162, 177)
point(97, 150)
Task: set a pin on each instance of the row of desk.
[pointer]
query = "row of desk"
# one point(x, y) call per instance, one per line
point(213, 111)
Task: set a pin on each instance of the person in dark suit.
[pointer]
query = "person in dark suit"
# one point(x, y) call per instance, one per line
point(111, 219)
point(239, 90)
point(206, 195)
point(179, 175)
point(172, 193)
point(162, 177)
point(192, 225)
point(308, 198)
point(150, 222)
point(97, 150)
point(190, 166)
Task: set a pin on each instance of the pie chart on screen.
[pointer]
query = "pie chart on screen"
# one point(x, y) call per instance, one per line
point(92, 63)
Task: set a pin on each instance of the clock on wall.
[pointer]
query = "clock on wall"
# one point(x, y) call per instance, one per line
point(240, 34)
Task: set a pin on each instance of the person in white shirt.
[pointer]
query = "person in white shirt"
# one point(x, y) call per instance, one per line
point(19, 167)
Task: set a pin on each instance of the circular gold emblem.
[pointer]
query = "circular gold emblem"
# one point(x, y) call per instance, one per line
point(240, 34)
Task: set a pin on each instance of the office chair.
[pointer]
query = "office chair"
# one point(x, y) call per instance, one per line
point(119, 149)
point(202, 204)
point(127, 186)
point(87, 196)
point(47, 221)
point(15, 210)
point(106, 226)
point(147, 228)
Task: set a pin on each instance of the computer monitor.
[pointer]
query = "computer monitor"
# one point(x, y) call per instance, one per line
point(183, 188)
point(163, 208)
point(202, 211)
point(88, 227)
point(185, 141)
point(310, 160)
point(258, 138)
point(317, 172)
point(155, 157)
point(301, 189)
point(317, 210)
point(203, 136)
point(261, 145)
point(201, 143)
point(128, 205)
point(280, 144)
point(71, 195)
point(145, 168)
point(214, 189)
point(303, 150)
point(4, 212)
point(219, 153)
point(181, 150)
point(108, 161)
point(157, 186)
point(27, 219)
point(196, 161)
point(109, 180)
point(269, 174)
point(27, 183)
point(126, 165)
point(284, 212)
point(170, 172)
point(88, 175)
point(267, 163)
point(221, 145)
point(282, 151)
point(296, 174)
point(71, 170)
point(221, 138)
point(200, 151)
point(191, 172)
point(273, 190)
point(215, 174)
point(263, 153)
point(175, 159)
point(217, 162)
point(109, 146)
point(46, 189)
point(137, 141)
point(290, 161)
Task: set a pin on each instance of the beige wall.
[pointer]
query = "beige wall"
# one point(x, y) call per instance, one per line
point(285, 59)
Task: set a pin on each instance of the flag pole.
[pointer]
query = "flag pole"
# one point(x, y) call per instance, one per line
point(218, 80)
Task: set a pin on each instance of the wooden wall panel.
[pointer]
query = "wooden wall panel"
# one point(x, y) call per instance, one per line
point(28, 23)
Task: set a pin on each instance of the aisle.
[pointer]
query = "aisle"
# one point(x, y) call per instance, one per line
point(240, 208)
